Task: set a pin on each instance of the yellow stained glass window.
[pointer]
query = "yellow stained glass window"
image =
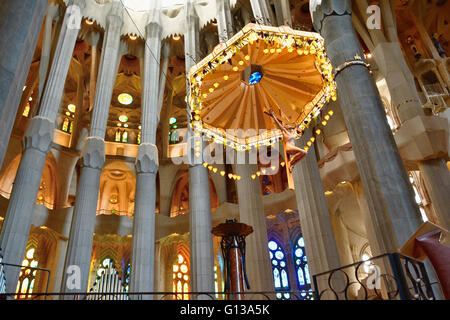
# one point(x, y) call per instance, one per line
point(125, 98)
point(26, 111)
point(65, 125)
point(181, 278)
point(27, 276)
point(124, 136)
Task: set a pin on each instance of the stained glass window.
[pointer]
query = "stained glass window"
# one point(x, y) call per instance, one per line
point(27, 276)
point(301, 266)
point(26, 111)
point(118, 136)
point(279, 270)
point(124, 136)
point(181, 278)
point(66, 125)
point(126, 277)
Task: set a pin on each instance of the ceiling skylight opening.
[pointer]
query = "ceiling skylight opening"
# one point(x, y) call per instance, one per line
point(255, 77)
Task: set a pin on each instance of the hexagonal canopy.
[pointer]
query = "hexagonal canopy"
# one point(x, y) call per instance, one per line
point(261, 67)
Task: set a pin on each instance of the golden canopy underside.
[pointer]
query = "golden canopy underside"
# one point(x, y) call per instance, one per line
point(291, 85)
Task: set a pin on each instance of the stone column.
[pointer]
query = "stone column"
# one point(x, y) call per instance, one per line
point(20, 25)
point(390, 197)
point(92, 159)
point(143, 254)
point(93, 39)
point(165, 52)
point(200, 224)
point(251, 212)
point(52, 12)
point(436, 176)
point(224, 20)
point(261, 12)
point(37, 143)
point(283, 11)
point(315, 222)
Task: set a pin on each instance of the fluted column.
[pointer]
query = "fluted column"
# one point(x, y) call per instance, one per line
point(52, 12)
point(92, 160)
point(283, 11)
point(436, 176)
point(390, 197)
point(200, 224)
point(261, 12)
point(315, 222)
point(143, 254)
point(251, 212)
point(37, 143)
point(20, 24)
point(224, 20)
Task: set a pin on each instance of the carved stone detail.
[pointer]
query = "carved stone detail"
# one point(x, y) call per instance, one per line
point(320, 9)
point(423, 138)
point(93, 155)
point(147, 158)
point(39, 134)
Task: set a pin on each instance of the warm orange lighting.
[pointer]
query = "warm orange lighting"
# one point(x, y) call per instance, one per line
point(133, 37)
point(89, 22)
point(176, 38)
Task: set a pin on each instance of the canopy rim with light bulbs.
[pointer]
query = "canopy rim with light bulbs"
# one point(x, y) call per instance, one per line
point(291, 47)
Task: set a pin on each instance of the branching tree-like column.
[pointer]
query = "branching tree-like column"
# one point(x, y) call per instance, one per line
point(202, 254)
point(390, 198)
point(143, 255)
point(37, 143)
point(79, 248)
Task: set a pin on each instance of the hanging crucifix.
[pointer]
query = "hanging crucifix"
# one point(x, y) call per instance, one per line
point(292, 153)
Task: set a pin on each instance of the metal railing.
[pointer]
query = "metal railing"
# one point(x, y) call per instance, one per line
point(248, 295)
point(391, 276)
point(2, 275)
point(21, 295)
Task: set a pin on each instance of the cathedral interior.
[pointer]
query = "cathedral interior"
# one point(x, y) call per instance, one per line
point(97, 114)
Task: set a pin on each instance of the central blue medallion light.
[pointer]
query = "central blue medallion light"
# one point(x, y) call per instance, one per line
point(255, 77)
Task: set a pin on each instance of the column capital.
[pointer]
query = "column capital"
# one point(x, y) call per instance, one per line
point(147, 158)
point(320, 9)
point(39, 134)
point(93, 154)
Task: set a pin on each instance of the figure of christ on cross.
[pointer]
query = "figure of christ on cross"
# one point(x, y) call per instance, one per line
point(294, 153)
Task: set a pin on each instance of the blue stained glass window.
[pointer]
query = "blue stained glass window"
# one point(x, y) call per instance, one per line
point(280, 273)
point(301, 266)
point(255, 77)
